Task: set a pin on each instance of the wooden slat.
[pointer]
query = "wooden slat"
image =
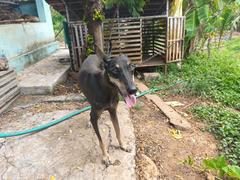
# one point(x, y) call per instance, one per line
point(125, 32)
point(9, 89)
point(123, 37)
point(3, 73)
point(12, 93)
point(4, 108)
point(126, 27)
point(9, 86)
point(126, 50)
point(7, 78)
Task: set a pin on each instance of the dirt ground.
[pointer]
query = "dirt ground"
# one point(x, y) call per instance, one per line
point(155, 140)
point(154, 136)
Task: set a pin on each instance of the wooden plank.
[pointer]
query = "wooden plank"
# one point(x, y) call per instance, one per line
point(7, 78)
point(3, 73)
point(123, 33)
point(6, 88)
point(9, 103)
point(160, 47)
point(160, 43)
point(159, 50)
point(166, 44)
point(122, 46)
point(126, 50)
point(12, 93)
point(128, 41)
point(174, 37)
point(125, 27)
point(115, 24)
point(123, 37)
point(174, 118)
point(136, 57)
point(183, 20)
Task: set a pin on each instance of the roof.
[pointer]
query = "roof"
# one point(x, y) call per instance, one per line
point(75, 8)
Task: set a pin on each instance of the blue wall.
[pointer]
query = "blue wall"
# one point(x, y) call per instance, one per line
point(26, 43)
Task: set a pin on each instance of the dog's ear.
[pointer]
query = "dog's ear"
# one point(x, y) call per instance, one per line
point(100, 53)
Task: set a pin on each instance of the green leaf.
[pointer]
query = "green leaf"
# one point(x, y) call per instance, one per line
point(234, 171)
point(215, 163)
point(202, 10)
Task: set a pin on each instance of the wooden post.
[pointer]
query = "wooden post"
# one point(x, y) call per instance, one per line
point(167, 8)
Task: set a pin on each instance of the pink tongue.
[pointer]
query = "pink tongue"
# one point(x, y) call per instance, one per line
point(130, 100)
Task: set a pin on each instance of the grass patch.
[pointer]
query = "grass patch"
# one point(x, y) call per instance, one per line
point(225, 125)
point(217, 78)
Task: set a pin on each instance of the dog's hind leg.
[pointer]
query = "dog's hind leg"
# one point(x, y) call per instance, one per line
point(94, 116)
point(114, 119)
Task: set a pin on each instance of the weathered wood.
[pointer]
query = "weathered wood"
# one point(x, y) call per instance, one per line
point(5, 107)
point(174, 117)
point(7, 78)
point(9, 90)
point(3, 73)
point(12, 93)
point(140, 36)
point(124, 45)
point(7, 87)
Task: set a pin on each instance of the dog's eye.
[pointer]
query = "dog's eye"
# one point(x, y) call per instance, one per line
point(132, 67)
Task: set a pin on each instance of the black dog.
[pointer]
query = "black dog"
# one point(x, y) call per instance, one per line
point(101, 78)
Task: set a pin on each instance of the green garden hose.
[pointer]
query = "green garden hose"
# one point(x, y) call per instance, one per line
point(64, 118)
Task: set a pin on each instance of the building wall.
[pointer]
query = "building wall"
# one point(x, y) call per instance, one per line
point(26, 43)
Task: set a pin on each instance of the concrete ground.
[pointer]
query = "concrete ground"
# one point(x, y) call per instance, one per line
point(42, 77)
point(69, 150)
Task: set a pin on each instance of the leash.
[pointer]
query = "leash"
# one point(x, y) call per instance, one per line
point(68, 116)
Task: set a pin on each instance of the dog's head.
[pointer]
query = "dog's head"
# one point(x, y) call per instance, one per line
point(120, 73)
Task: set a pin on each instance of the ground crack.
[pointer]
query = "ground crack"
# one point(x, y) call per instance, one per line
point(9, 163)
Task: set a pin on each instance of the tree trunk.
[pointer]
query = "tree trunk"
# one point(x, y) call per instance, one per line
point(94, 26)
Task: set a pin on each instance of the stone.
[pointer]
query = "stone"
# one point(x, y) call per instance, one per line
point(42, 77)
point(174, 103)
point(150, 76)
point(149, 170)
point(68, 150)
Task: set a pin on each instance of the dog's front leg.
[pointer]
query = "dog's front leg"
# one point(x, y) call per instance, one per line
point(114, 119)
point(94, 116)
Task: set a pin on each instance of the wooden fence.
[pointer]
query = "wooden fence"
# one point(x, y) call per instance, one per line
point(143, 40)
point(175, 39)
point(126, 37)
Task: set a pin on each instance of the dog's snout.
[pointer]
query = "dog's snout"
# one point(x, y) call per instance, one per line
point(132, 90)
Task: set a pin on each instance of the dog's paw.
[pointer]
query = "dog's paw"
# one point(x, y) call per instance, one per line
point(126, 148)
point(107, 161)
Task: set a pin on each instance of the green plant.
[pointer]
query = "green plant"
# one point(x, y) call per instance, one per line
point(98, 15)
point(133, 6)
point(137, 107)
point(220, 165)
point(224, 124)
point(189, 161)
point(58, 24)
point(90, 43)
point(206, 18)
point(215, 78)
